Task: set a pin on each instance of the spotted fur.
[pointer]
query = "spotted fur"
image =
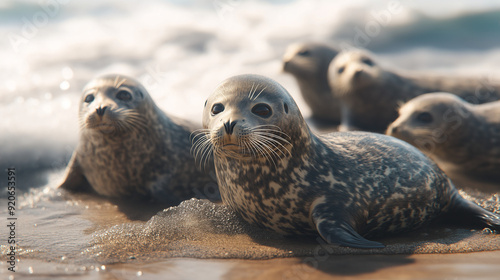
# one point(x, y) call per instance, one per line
point(130, 148)
point(371, 95)
point(308, 63)
point(346, 186)
point(465, 136)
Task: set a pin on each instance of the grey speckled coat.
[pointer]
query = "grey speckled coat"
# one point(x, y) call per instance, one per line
point(371, 95)
point(144, 154)
point(342, 185)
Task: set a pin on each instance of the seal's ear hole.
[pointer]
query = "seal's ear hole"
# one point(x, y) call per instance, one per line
point(262, 110)
point(124, 95)
point(424, 117)
point(217, 108)
point(286, 107)
point(341, 70)
point(140, 94)
point(205, 103)
point(89, 98)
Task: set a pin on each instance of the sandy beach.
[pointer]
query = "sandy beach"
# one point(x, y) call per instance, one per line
point(92, 238)
point(432, 266)
point(180, 51)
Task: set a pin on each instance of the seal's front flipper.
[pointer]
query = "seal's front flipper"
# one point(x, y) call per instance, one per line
point(343, 234)
point(331, 223)
point(75, 179)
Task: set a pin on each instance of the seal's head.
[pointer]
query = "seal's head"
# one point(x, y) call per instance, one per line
point(113, 104)
point(251, 117)
point(351, 70)
point(308, 63)
point(308, 60)
point(437, 123)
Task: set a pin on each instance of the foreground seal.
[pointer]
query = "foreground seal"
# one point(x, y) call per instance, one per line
point(308, 63)
point(346, 186)
point(129, 148)
point(371, 95)
point(450, 130)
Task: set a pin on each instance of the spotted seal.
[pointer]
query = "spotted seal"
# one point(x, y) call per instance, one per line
point(371, 95)
point(308, 63)
point(128, 147)
point(450, 130)
point(346, 186)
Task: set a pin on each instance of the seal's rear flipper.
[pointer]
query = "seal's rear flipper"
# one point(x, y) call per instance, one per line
point(468, 213)
point(75, 179)
point(343, 234)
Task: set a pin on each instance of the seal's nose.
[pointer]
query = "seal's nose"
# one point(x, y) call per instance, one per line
point(286, 65)
point(229, 126)
point(357, 73)
point(392, 130)
point(100, 111)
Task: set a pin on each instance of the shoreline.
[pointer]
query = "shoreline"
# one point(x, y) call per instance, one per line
point(483, 265)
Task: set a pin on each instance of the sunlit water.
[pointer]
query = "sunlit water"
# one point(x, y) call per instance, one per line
point(181, 50)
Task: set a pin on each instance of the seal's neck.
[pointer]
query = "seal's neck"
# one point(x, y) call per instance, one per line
point(315, 84)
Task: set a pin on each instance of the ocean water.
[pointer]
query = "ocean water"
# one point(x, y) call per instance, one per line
point(181, 50)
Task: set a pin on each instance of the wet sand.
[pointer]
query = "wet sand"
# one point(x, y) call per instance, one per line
point(483, 265)
point(67, 236)
point(84, 237)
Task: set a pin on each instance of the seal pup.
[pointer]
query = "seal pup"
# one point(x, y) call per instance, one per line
point(346, 186)
point(308, 63)
point(130, 148)
point(370, 95)
point(448, 129)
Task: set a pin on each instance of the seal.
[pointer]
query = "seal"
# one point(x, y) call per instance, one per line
point(371, 95)
point(448, 129)
point(308, 63)
point(128, 147)
point(346, 186)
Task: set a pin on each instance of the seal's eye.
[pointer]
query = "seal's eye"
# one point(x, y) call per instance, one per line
point(425, 117)
point(124, 95)
point(217, 108)
point(89, 98)
point(304, 53)
point(367, 61)
point(262, 110)
point(341, 70)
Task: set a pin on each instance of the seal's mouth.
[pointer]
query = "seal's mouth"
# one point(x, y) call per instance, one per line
point(286, 66)
point(104, 128)
point(260, 142)
point(231, 147)
point(99, 124)
point(119, 120)
point(235, 150)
